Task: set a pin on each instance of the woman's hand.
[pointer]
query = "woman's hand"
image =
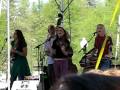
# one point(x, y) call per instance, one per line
point(13, 50)
point(63, 50)
point(108, 56)
point(47, 52)
point(23, 53)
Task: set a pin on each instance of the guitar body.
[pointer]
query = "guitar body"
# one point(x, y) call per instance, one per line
point(88, 60)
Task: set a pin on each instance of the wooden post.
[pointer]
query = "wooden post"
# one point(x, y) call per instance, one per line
point(8, 41)
point(117, 43)
point(62, 12)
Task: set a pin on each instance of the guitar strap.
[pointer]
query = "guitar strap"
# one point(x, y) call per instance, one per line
point(101, 53)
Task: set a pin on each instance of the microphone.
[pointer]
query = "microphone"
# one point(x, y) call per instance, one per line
point(94, 33)
point(7, 38)
point(43, 42)
point(48, 39)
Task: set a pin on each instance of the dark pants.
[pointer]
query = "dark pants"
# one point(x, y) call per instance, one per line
point(105, 64)
point(51, 74)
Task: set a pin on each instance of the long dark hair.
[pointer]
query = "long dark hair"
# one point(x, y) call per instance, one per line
point(21, 39)
point(66, 36)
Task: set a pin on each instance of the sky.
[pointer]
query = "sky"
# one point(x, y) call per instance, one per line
point(44, 1)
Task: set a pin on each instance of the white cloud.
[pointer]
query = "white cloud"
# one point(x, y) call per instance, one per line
point(44, 1)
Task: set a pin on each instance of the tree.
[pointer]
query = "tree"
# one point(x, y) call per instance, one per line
point(3, 35)
point(34, 23)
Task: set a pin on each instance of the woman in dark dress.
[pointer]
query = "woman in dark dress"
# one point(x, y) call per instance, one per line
point(62, 53)
point(20, 66)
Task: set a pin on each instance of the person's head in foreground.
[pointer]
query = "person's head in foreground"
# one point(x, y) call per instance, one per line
point(100, 80)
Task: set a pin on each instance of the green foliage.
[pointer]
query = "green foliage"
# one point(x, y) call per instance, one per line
point(3, 44)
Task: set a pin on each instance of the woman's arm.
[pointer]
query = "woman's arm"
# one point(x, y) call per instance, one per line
point(23, 53)
point(110, 54)
point(63, 50)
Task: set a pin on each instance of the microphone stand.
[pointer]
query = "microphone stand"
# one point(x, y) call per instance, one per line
point(40, 44)
point(40, 65)
point(85, 48)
